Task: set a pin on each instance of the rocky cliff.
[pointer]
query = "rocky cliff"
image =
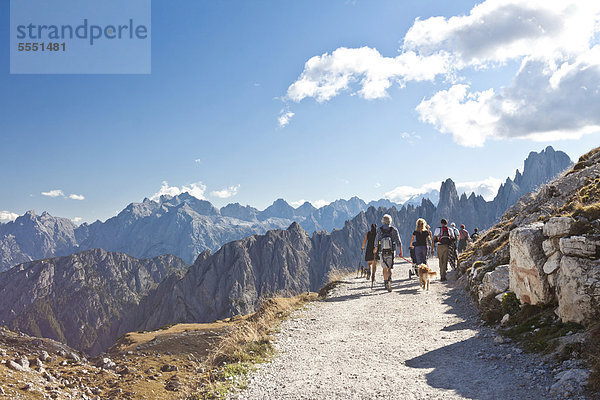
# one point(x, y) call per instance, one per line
point(234, 279)
point(79, 299)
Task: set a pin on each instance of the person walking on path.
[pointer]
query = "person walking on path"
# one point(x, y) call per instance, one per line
point(387, 240)
point(475, 234)
point(369, 255)
point(419, 240)
point(430, 241)
point(463, 238)
point(453, 254)
point(443, 236)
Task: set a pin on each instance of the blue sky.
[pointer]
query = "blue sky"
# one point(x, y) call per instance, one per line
point(206, 118)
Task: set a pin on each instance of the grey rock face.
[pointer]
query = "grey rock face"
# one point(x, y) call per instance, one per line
point(79, 299)
point(32, 237)
point(496, 281)
point(578, 290)
point(235, 278)
point(527, 278)
point(578, 246)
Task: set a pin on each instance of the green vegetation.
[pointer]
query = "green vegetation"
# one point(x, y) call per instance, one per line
point(536, 328)
point(510, 304)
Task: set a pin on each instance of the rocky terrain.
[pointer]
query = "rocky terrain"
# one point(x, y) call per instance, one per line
point(185, 226)
point(80, 299)
point(166, 364)
point(538, 270)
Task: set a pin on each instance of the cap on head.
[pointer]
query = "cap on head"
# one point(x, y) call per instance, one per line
point(462, 226)
point(444, 222)
point(453, 224)
point(387, 219)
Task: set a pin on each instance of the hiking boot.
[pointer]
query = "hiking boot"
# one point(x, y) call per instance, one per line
point(388, 285)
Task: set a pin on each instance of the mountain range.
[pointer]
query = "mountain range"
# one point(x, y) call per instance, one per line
point(185, 226)
point(90, 298)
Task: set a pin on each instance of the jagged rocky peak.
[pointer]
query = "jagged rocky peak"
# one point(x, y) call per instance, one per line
point(305, 209)
point(541, 167)
point(448, 193)
point(236, 210)
point(280, 208)
point(202, 207)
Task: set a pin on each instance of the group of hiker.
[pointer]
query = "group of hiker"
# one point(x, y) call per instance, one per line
point(382, 242)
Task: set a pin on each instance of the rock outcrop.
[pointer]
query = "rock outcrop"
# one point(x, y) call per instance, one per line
point(527, 278)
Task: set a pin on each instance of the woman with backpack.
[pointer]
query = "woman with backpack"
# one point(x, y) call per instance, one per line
point(419, 240)
point(369, 256)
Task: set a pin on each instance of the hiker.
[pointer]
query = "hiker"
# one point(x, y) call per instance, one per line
point(475, 234)
point(429, 241)
point(369, 255)
point(463, 238)
point(419, 241)
point(453, 254)
point(387, 240)
point(443, 237)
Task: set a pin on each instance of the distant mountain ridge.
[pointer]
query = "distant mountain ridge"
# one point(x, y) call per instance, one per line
point(185, 226)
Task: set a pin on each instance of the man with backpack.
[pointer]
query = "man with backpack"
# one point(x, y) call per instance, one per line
point(475, 234)
point(387, 240)
point(444, 237)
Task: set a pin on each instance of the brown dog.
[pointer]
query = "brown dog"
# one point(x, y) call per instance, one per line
point(424, 274)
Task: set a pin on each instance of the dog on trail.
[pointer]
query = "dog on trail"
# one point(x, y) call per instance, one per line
point(425, 273)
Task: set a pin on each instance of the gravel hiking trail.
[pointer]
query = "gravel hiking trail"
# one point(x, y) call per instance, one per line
point(363, 343)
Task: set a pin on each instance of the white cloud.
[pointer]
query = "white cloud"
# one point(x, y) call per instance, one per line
point(554, 95)
point(60, 193)
point(410, 138)
point(319, 203)
point(499, 30)
point(297, 203)
point(6, 216)
point(401, 194)
point(77, 220)
point(541, 103)
point(488, 188)
point(195, 189)
point(225, 193)
point(377, 185)
point(198, 160)
point(54, 193)
point(284, 118)
point(326, 76)
point(315, 203)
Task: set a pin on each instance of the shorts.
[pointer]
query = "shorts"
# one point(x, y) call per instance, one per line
point(387, 260)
